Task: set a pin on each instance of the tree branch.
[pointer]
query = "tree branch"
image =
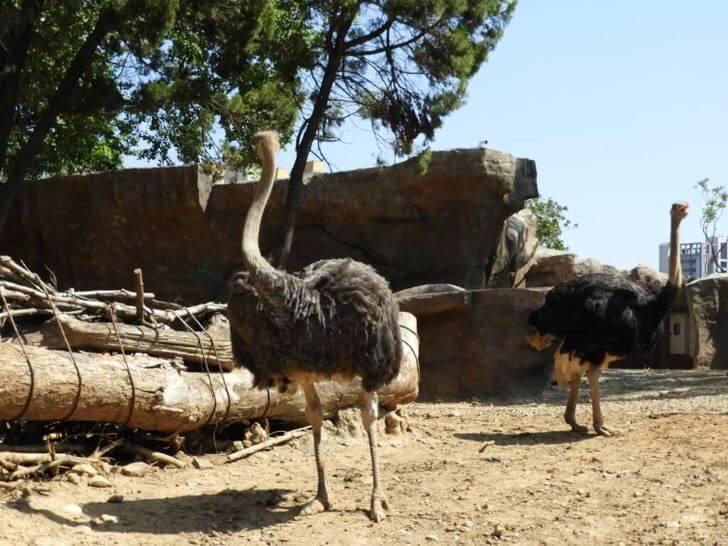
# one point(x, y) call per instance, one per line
point(398, 45)
point(364, 38)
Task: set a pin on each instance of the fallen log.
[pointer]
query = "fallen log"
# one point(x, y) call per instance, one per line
point(165, 398)
point(167, 343)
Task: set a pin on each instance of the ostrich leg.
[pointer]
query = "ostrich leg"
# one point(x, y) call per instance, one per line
point(369, 407)
point(599, 425)
point(570, 413)
point(314, 415)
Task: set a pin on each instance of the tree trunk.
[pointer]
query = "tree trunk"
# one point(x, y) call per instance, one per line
point(303, 148)
point(49, 116)
point(166, 399)
point(101, 336)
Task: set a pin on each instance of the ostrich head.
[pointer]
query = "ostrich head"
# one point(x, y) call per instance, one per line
point(266, 144)
point(678, 211)
point(537, 340)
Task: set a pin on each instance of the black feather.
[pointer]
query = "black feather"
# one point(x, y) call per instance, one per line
point(598, 314)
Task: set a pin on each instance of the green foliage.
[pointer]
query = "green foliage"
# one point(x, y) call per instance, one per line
point(403, 65)
point(170, 81)
point(552, 222)
point(715, 201)
point(422, 162)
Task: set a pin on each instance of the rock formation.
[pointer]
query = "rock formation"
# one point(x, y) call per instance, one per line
point(708, 303)
point(442, 225)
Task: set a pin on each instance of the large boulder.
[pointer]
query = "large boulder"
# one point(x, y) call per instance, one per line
point(415, 227)
point(516, 250)
point(473, 343)
point(646, 275)
point(550, 267)
point(708, 303)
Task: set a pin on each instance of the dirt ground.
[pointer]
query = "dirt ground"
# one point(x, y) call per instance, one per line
point(665, 481)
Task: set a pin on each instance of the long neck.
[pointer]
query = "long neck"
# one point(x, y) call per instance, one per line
point(675, 273)
point(254, 261)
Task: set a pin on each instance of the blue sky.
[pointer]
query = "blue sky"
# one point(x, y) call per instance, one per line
point(623, 105)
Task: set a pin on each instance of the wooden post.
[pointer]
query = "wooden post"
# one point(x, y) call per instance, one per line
point(139, 284)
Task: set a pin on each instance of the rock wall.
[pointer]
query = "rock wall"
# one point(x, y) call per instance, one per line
point(708, 302)
point(473, 343)
point(185, 232)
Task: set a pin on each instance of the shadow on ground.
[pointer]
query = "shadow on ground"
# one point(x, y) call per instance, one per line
point(524, 438)
point(635, 385)
point(226, 511)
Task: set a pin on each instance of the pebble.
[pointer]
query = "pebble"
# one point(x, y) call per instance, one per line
point(99, 481)
point(432, 538)
point(108, 518)
point(73, 509)
point(201, 463)
point(136, 470)
point(84, 469)
point(73, 478)
point(498, 531)
point(115, 499)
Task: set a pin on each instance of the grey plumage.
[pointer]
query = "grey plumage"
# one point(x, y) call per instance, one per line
point(333, 318)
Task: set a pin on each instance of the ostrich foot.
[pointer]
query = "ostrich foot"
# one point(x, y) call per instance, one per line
point(576, 427)
point(380, 507)
point(604, 430)
point(316, 506)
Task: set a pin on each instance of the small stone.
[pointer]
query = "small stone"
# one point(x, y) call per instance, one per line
point(201, 463)
point(99, 481)
point(136, 470)
point(637, 494)
point(498, 531)
point(83, 468)
point(108, 518)
point(73, 509)
point(432, 538)
point(115, 499)
point(238, 445)
point(73, 478)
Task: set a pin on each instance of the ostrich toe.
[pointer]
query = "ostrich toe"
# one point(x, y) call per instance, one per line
point(604, 430)
point(380, 507)
point(576, 427)
point(316, 506)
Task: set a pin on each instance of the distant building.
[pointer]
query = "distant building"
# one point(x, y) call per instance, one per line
point(696, 258)
point(241, 177)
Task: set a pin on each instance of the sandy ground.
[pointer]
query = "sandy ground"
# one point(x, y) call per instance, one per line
point(665, 481)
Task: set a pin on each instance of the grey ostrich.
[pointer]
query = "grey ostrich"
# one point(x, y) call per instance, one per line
point(335, 319)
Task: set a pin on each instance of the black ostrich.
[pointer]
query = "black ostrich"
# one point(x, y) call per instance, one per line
point(601, 318)
point(335, 319)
